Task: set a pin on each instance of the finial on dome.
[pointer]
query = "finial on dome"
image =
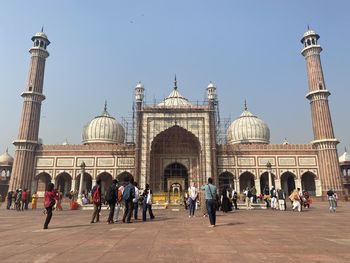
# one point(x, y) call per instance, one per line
point(345, 149)
point(245, 104)
point(7, 149)
point(42, 29)
point(175, 83)
point(308, 27)
point(105, 109)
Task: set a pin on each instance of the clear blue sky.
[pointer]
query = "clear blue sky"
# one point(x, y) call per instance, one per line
point(100, 49)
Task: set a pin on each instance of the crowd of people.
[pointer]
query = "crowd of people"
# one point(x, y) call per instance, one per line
point(127, 197)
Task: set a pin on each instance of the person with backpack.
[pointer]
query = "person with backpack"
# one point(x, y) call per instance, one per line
point(111, 198)
point(128, 196)
point(96, 200)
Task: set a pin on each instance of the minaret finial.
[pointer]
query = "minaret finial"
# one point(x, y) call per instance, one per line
point(245, 104)
point(308, 27)
point(105, 109)
point(175, 83)
point(42, 29)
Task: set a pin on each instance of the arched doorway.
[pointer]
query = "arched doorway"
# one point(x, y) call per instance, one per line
point(288, 182)
point(264, 181)
point(226, 179)
point(246, 180)
point(175, 173)
point(106, 181)
point(64, 183)
point(87, 183)
point(125, 177)
point(179, 151)
point(308, 183)
point(43, 180)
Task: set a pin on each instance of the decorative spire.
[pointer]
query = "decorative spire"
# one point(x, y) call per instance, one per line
point(105, 109)
point(308, 27)
point(7, 149)
point(175, 83)
point(245, 104)
point(42, 29)
point(345, 149)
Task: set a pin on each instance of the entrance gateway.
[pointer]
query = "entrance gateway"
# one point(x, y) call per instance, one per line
point(174, 163)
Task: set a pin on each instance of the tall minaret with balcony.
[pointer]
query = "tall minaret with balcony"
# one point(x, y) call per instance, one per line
point(139, 95)
point(213, 103)
point(27, 140)
point(324, 139)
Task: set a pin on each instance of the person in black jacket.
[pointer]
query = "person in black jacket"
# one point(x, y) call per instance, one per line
point(111, 198)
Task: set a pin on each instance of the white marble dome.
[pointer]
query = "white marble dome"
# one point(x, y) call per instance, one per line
point(345, 157)
point(6, 159)
point(248, 129)
point(175, 99)
point(103, 129)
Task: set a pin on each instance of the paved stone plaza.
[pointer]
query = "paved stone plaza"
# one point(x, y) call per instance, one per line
point(314, 235)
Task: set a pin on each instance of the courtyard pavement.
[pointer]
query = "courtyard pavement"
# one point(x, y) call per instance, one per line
point(315, 235)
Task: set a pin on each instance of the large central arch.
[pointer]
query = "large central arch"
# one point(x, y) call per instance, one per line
point(174, 146)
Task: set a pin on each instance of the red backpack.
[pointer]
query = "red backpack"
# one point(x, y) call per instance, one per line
point(96, 197)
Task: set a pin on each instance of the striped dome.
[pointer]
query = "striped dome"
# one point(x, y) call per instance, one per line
point(103, 129)
point(248, 129)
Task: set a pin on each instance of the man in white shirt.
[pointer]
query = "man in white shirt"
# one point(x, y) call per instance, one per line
point(192, 196)
point(136, 201)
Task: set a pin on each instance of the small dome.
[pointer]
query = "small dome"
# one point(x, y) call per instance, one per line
point(6, 159)
point(41, 34)
point(309, 33)
point(211, 85)
point(175, 99)
point(345, 157)
point(103, 129)
point(139, 85)
point(248, 129)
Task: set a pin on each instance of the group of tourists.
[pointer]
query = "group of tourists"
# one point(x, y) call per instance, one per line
point(19, 200)
point(125, 196)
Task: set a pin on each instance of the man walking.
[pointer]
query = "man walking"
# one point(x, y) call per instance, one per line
point(111, 198)
point(96, 200)
point(273, 196)
point(147, 203)
point(281, 199)
point(128, 196)
point(192, 193)
point(210, 199)
point(136, 201)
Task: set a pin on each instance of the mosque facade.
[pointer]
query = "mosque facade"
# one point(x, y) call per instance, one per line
point(176, 142)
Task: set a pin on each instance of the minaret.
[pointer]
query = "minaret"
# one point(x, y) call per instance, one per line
point(213, 103)
point(27, 140)
point(139, 95)
point(324, 140)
